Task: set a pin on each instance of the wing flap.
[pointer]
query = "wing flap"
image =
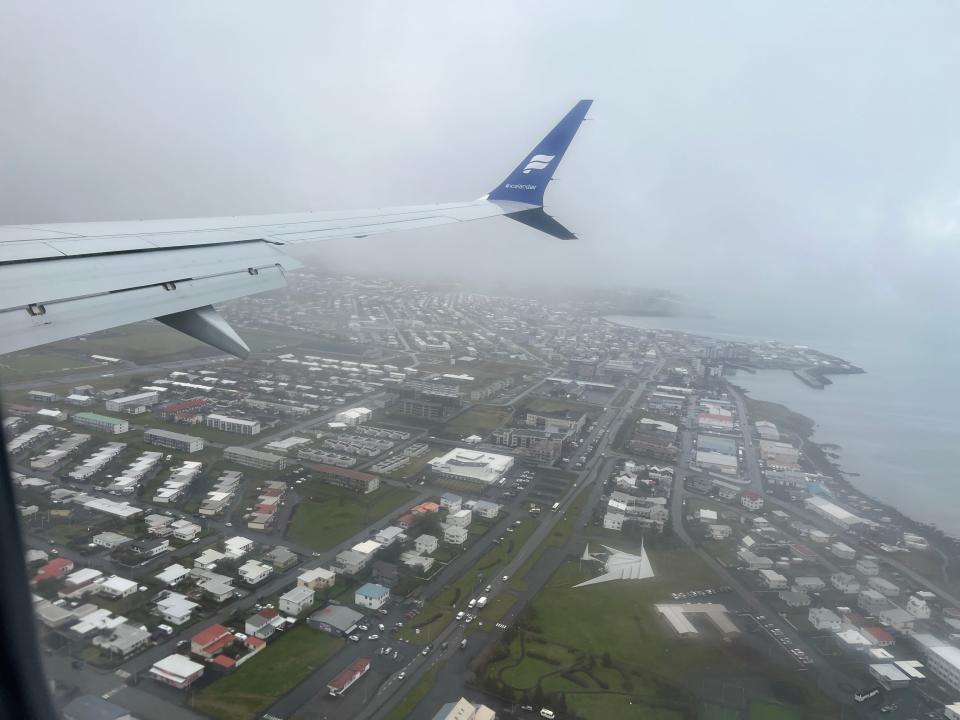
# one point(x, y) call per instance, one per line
point(68, 318)
point(52, 280)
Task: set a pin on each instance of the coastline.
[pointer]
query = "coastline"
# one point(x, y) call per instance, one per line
point(821, 457)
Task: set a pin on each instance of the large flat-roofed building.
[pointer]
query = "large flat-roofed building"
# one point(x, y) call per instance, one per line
point(832, 512)
point(132, 402)
point(176, 670)
point(338, 620)
point(565, 422)
point(103, 423)
point(463, 709)
point(471, 465)
point(355, 480)
point(543, 446)
point(254, 458)
point(233, 425)
point(944, 661)
point(719, 462)
point(431, 400)
point(173, 440)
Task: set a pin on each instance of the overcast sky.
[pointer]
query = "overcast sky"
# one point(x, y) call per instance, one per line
point(747, 152)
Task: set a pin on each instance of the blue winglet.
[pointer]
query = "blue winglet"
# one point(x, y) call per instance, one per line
point(527, 183)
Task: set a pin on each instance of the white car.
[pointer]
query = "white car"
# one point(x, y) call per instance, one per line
point(505, 578)
point(547, 713)
point(373, 637)
point(401, 676)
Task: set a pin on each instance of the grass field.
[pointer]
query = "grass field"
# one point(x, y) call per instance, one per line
point(773, 711)
point(625, 653)
point(24, 365)
point(478, 420)
point(557, 537)
point(332, 515)
point(539, 404)
point(249, 690)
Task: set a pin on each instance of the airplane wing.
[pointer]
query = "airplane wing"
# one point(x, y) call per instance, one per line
point(62, 280)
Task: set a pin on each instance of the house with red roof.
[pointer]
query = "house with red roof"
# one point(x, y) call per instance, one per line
point(56, 568)
point(880, 636)
point(210, 642)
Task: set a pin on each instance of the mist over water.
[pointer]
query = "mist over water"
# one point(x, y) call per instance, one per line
point(897, 425)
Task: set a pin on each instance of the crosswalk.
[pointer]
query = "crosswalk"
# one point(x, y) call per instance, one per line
point(501, 626)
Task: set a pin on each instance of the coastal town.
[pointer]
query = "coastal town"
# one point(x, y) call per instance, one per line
point(429, 502)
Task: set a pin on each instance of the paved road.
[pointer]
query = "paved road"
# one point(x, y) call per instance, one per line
point(450, 681)
point(751, 462)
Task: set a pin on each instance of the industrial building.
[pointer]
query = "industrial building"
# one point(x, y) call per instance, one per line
point(133, 403)
point(832, 512)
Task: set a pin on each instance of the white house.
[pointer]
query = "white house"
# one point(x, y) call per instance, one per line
point(486, 509)
point(117, 587)
point(719, 532)
point(843, 551)
point(613, 521)
point(254, 571)
point(845, 583)
point(208, 559)
point(176, 608)
point(389, 535)
point(751, 501)
point(451, 502)
point(868, 565)
point(317, 578)
point(237, 546)
point(772, 579)
point(918, 607)
point(425, 544)
point(372, 595)
point(824, 619)
point(454, 534)
point(295, 601)
point(460, 518)
point(173, 574)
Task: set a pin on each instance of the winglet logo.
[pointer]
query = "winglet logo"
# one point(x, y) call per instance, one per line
point(538, 162)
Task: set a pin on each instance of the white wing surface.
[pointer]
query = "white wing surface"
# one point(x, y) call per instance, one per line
point(68, 279)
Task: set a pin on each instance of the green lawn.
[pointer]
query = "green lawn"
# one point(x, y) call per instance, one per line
point(25, 365)
point(332, 515)
point(478, 420)
point(250, 689)
point(416, 694)
point(557, 537)
point(773, 711)
point(622, 649)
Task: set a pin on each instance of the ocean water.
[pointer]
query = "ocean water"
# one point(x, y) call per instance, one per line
point(897, 426)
